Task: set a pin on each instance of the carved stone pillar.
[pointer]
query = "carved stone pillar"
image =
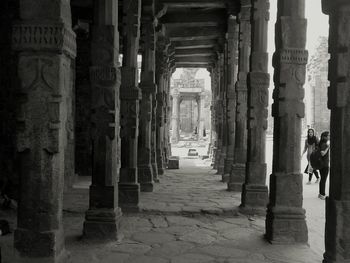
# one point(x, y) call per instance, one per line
point(154, 138)
point(238, 169)
point(103, 217)
point(148, 88)
point(218, 114)
point(201, 116)
point(337, 239)
point(221, 104)
point(129, 188)
point(175, 117)
point(160, 129)
point(232, 37)
point(285, 220)
point(47, 48)
point(255, 193)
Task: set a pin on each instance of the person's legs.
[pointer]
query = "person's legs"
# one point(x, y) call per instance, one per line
point(317, 176)
point(310, 177)
point(324, 174)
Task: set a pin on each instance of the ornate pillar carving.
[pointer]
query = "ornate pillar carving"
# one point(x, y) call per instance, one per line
point(285, 220)
point(175, 116)
point(148, 88)
point(232, 37)
point(254, 192)
point(154, 137)
point(218, 112)
point(103, 217)
point(337, 239)
point(221, 104)
point(47, 48)
point(238, 169)
point(130, 95)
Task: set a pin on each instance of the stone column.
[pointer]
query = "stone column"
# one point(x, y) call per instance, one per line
point(254, 192)
point(130, 94)
point(218, 114)
point(221, 104)
point(232, 37)
point(285, 220)
point(154, 138)
point(201, 116)
point(148, 88)
point(337, 239)
point(160, 129)
point(238, 169)
point(175, 117)
point(103, 217)
point(47, 48)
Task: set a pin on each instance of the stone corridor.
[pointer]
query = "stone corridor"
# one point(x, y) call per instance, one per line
point(190, 217)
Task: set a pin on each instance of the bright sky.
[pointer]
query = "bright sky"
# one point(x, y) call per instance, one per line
point(317, 26)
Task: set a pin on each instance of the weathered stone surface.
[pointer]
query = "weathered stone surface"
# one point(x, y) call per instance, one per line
point(200, 236)
point(171, 249)
point(254, 192)
point(192, 258)
point(285, 220)
point(153, 237)
point(159, 222)
point(131, 248)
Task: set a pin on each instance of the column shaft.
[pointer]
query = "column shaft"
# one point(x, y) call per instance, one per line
point(175, 117)
point(337, 239)
point(47, 48)
point(232, 37)
point(103, 217)
point(148, 88)
point(222, 114)
point(130, 95)
point(238, 169)
point(255, 193)
point(285, 221)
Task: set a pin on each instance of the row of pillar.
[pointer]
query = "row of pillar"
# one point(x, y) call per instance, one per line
point(239, 119)
point(128, 119)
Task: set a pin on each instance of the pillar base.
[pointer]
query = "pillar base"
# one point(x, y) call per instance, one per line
point(161, 170)
point(145, 177)
point(129, 196)
point(146, 187)
point(254, 199)
point(237, 177)
point(286, 225)
point(225, 178)
point(155, 172)
point(63, 257)
point(337, 241)
point(228, 165)
point(41, 247)
point(102, 223)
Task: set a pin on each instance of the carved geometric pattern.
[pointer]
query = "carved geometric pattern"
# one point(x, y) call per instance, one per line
point(52, 37)
point(294, 56)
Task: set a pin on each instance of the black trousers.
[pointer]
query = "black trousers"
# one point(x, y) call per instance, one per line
point(324, 174)
point(315, 172)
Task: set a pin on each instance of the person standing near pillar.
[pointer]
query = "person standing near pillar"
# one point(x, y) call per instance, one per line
point(285, 219)
point(46, 50)
point(254, 191)
point(130, 95)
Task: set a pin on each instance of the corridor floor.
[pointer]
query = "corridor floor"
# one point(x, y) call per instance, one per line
point(190, 217)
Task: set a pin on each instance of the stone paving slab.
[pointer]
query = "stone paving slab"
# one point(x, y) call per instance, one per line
point(186, 230)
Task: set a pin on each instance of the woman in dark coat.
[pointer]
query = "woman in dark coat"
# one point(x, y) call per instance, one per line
point(310, 145)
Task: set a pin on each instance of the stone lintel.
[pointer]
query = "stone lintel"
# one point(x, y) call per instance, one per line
point(50, 37)
point(129, 197)
point(102, 223)
point(181, 18)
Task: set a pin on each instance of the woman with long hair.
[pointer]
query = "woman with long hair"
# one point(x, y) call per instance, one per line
point(310, 145)
point(324, 168)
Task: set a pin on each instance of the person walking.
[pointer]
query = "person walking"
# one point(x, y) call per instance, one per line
point(310, 145)
point(324, 167)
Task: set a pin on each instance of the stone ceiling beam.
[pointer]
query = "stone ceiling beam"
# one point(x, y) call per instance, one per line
point(195, 19)
point(196, 3)
point(183, 65)
point(195, 59)
point(194, 52)
point(187, 44)
point(195, 33)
